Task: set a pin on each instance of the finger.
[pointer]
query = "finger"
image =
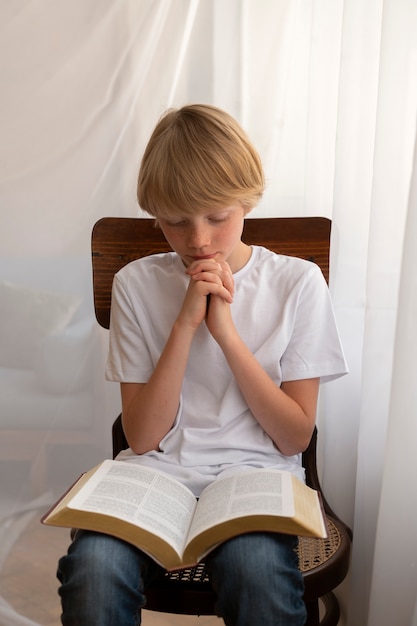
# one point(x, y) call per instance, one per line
point(209, 277)
point(222, 292)
point(211, 266)
point(221, 280)
point(208, 288)
point(203, 265)
point(227, 278)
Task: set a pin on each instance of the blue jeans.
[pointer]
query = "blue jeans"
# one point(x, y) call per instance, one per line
point(255, 576)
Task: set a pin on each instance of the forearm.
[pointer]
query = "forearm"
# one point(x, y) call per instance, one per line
point(287, 419)
point(149, 409)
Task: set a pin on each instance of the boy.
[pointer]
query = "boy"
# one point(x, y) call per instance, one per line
point(219, 348)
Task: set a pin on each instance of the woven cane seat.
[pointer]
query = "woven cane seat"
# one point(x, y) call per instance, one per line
point(315, 552)
point(324, 562)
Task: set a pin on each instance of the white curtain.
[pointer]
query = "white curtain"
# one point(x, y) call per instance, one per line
point(327, 90)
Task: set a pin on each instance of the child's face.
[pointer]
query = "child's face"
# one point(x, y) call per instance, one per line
point(211, 234)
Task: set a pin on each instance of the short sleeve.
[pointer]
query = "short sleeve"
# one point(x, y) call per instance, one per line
point(314, 349)
point(129, 359)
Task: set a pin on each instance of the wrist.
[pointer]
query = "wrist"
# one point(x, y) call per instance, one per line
point(183, 329)
point(228, 340)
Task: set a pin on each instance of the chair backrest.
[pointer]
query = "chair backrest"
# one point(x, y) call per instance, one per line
point(118, 240)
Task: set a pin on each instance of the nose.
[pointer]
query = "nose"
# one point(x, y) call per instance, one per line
point(198, 236)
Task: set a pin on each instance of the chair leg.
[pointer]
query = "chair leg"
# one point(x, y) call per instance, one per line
point(331, 615)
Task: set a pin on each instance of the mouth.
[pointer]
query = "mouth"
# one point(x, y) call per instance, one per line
point(203, 257)
point(192, 258)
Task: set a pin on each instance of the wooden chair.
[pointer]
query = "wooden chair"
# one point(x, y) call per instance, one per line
point(324, 562)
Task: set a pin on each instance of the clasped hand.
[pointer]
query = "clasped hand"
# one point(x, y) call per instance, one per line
point(209, 295)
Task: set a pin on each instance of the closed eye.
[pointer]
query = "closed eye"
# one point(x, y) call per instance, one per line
point(178, 223)
point(217, 219)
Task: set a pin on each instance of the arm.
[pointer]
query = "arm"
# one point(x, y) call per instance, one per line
point(149, 409)
point(286, 413)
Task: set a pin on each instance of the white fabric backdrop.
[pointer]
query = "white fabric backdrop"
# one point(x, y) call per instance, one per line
point(327, 90)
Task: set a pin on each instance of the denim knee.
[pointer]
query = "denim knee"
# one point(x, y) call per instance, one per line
point(102, 581)
point(257, 580)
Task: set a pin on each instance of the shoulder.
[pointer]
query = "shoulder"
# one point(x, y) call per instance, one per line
point(148, 275)
point(146, 266)
point(285, 267)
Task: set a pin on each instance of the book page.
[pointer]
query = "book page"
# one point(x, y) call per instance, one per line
point(141, 496)
point(307, 507)
point(264, 492)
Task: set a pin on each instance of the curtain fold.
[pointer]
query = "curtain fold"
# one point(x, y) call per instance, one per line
point(327, 91)
point(396, 539)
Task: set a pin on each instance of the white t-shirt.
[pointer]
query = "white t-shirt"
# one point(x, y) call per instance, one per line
point(281, 309)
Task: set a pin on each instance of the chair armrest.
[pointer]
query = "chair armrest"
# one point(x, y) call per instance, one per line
point(312, 479)
point(118, 437)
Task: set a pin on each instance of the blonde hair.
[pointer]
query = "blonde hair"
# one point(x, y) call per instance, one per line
point(198, 158)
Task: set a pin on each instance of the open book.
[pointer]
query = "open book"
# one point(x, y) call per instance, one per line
point(162, 517)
